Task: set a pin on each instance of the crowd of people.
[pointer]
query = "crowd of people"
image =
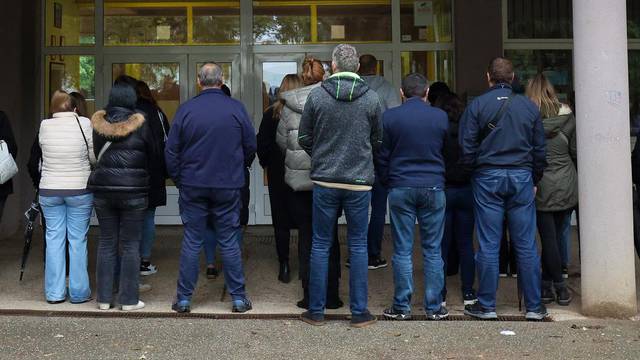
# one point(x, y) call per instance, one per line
point(335, 142)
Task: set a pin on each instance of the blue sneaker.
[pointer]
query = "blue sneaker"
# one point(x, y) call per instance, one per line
point(241, 306)
point(182, 306)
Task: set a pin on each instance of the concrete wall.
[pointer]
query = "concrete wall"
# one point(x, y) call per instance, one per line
point(19, 97)
point(478, 39)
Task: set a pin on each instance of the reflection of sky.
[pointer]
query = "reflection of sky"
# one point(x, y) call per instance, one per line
point(273, 72)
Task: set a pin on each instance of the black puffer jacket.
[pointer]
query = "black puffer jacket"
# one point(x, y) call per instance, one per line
point(123, 169)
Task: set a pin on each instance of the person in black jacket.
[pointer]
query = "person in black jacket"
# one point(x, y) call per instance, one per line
point(159, 126)
point(272, 161)
point(459, 220)
point(6, 134)
point(502, 138)
point(124, 147)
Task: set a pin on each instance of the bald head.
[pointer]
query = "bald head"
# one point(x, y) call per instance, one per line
point(210, 76)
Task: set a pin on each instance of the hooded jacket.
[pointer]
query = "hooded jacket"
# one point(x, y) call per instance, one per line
point(389, 96)
point(558, 188)
point(296, 161)
point(340, 128)
point(123, 169)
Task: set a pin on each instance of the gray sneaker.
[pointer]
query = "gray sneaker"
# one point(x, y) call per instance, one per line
point(477, 311)
point(538, 315)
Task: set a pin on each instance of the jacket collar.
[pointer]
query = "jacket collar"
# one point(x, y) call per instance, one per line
point(501, 86)
point(212, 91)
point(116, 130)
point(64, 114)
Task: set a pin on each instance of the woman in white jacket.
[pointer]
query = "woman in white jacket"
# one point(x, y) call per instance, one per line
point(67, 154)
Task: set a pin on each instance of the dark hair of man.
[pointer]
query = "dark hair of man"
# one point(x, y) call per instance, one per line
point(131, 81)
point(225, 89)
point(122, 95)
point(415, 85)
point(436, 90)
point(368, 65)
point(500, 71)
point(451, 104)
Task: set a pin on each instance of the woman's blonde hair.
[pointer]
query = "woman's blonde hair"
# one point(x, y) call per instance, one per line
point(61, 102)
point(542, 93)
point(289, 82)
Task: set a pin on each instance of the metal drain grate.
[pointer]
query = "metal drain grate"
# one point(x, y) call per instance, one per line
point(249, 316)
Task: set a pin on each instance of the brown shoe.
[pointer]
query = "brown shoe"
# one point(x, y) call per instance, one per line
point(315, 320)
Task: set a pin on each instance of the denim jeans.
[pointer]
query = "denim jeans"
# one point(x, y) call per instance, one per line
point(197, 206)
point(326, 204)
point(210, 243)
point(121, 222)
point(458, 231)
point(427, 205)
point(67, 217)
point(565, 238)
point(376, 223)
point(550, 226)
point(497, 192)
point(148, 234)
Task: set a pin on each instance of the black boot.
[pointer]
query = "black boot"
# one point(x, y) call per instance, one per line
point(546, 295)
point(563, 294)
point(284, 274)
point(304, 303)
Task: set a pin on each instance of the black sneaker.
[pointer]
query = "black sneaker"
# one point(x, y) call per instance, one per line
point(469, 298)
point(362, 320)
point(377, 263)
point(241, 306)
point(477, 311)
point(312, 319)
point(212, 273)
point(147, 268)
point(538, 315)
point(442, 313)
point(546, 295)
point(563, 296)
point(395, 314)
point(183, 306)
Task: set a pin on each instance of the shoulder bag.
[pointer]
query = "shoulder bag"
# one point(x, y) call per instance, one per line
point(488, 128)
point(8, 167)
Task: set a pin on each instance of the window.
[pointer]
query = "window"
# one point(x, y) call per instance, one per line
point(556, 65)
point(539, 19)
point(274, 23)
point(70, 73)
point(426, 21)
point(357, 23)
point(213, 25)
point(69, 23)
point(435, 65)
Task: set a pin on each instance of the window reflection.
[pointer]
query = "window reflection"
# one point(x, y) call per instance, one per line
point(426, 21)
point(556, 65)
point(435, 65)
point(69, 23)
point(70, 73)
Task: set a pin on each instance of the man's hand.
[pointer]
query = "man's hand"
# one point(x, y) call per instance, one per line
point(535, 190)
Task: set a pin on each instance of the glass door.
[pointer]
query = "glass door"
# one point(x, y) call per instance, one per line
point(167, 78)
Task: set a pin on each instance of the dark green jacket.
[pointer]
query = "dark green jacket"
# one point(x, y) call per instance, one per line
point(558, 189)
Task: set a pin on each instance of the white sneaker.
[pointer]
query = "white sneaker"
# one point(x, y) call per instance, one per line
point(144, 287)
point(148, 269)
point(104, 306)
point(137, 306)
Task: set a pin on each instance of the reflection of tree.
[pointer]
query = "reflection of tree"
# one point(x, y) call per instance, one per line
point(87, 76)
point(269, 29)
point(143, 29)
point(216, 29)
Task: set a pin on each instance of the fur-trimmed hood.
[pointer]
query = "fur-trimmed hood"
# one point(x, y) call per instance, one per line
point(116, 130)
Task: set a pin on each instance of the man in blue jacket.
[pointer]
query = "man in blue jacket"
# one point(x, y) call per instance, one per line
point(411, 165)
point(210, 143)
point(502, 138)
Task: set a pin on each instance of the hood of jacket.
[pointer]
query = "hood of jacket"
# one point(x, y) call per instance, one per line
point(553, 125)
point(114, 127)
point(296, 98)
point(345, 86)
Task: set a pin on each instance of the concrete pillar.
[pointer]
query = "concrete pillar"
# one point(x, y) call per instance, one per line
point(604, 164)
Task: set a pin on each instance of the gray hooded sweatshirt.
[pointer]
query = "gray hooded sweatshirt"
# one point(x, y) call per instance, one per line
point(296, 161)
point(389, 96)
point(340, 128)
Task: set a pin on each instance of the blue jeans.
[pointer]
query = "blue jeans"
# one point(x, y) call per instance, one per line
point(67, 217)
point(148, 234)
point(565, 238)
point(458, 229)
point(497, 192)
point(427, 205)
point(326, 204)
point(376, 222)
point(210, 245)
point(197, 206)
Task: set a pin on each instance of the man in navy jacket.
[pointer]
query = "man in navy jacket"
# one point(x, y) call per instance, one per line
point(411, 165)
point(508, 160)
point(210, 143)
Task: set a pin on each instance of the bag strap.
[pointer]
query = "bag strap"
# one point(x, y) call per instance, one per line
point(488, 128)
point(164, 131)
point(103, 150)
point(86, 143)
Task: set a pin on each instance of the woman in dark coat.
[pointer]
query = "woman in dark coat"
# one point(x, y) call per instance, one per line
point(124, 147)
point(272, 161)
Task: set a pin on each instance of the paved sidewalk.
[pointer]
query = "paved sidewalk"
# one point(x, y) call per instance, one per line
point(268, 295)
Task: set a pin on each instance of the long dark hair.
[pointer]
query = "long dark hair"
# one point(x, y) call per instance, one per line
point(79, 102)
point(452, 105)
point(143, 92)
point(122, 95)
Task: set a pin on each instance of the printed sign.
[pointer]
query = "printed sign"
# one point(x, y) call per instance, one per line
point(423, 13)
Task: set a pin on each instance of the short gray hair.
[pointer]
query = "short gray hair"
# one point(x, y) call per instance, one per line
point(210, 74)
point(345, 57)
